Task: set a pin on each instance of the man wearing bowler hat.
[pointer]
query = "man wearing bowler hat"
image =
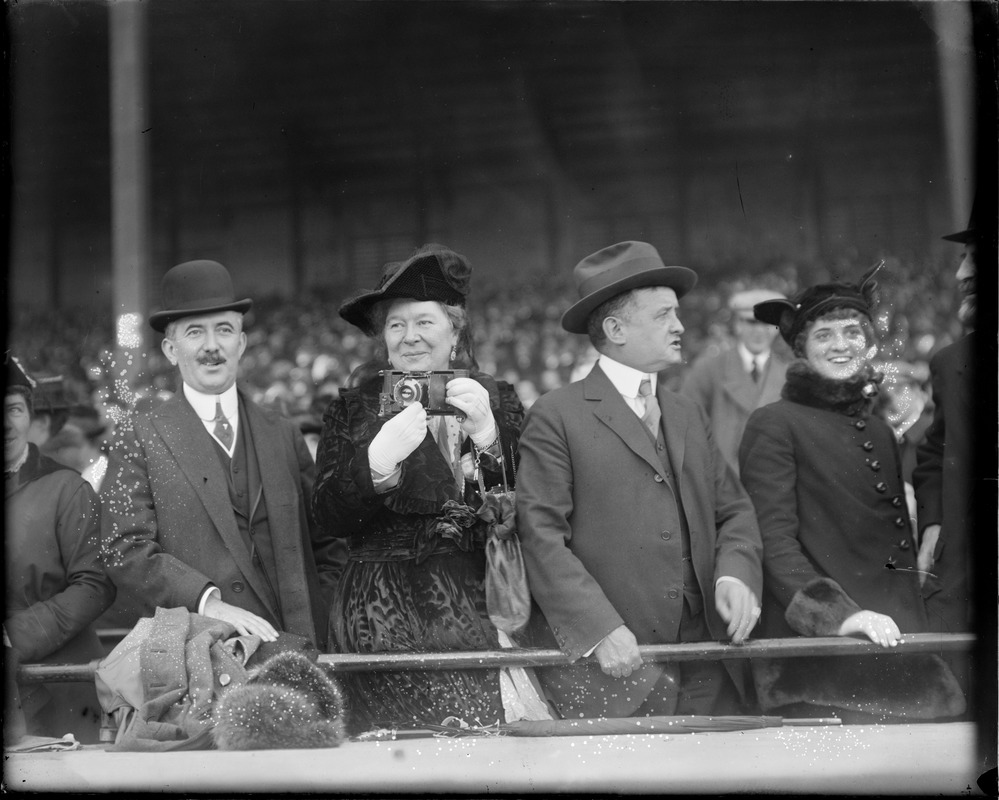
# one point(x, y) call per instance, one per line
point(634, 529)
point(210, 508)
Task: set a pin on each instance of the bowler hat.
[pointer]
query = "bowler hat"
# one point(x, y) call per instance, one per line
point(791, 316)
point(196, 287)
point(433, 272)
point(617, 269)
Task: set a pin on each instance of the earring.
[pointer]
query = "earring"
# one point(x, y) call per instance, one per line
point(454, 352)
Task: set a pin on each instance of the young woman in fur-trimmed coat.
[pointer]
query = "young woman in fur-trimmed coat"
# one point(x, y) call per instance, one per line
point(839, 559)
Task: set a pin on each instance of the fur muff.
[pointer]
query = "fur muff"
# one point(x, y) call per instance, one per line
point(916, 686)
point(819, 608)
point(288, 703)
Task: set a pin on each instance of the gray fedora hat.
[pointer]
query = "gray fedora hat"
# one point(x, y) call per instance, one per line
point(193, 288)
point(620, 268)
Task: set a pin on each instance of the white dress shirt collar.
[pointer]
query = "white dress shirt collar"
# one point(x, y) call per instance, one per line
point(748, 358)
point(626, 379)
point(204, 406)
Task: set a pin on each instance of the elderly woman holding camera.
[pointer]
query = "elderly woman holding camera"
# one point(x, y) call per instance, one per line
point(824, 473)
point(398, 465)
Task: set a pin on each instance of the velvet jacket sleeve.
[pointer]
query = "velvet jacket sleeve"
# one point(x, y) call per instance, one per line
point(48, 624)
point(345, 501)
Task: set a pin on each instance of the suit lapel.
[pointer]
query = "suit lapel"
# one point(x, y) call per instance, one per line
point(612, 411)
point(738, 384)
point(191, 447)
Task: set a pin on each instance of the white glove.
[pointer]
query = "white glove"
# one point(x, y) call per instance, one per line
point(471, 398)
point(399, 437)
point(879, 628)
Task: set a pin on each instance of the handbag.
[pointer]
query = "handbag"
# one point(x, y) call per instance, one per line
point(508, 598)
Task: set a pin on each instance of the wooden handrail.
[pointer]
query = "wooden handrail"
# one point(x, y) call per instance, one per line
point(516, 657)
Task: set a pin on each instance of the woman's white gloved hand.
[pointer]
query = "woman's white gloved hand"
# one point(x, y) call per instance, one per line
point(879, 628)
point(471, 399)
point(399, 437)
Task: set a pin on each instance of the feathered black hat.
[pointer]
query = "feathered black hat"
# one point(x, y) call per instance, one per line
point(791, 316)
point(434, 272)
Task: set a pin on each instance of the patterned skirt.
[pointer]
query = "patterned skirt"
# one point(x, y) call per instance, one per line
point(403, 606)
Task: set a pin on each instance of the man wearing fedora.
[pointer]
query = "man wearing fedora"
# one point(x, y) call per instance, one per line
point(732, 384)
point(210, 508)
point(634, 529)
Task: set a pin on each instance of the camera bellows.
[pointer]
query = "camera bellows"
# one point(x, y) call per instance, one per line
point(289, 703)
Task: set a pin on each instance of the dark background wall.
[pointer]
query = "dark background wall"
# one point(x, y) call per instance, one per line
point(304, 143)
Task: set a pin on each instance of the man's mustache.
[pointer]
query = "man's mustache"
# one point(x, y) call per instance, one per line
point(212, 360)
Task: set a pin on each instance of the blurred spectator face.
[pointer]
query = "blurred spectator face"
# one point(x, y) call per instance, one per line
point(966, 285)
point(652, 329)
point(16, 421)
point(207, 350)
point(757, 337)
point(418, 336)
point(837, 348)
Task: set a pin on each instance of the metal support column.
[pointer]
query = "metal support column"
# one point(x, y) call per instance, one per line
point(129, 188)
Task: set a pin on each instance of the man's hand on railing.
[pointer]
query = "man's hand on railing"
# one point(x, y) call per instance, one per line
point(738, 606)
point(618, 652)
point(245, 622)
point(879, 628)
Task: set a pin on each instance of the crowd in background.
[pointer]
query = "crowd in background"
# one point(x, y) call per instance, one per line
point(300, 352)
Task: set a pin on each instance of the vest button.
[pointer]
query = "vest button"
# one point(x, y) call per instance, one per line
point(658, 478)
point(868, 446)
point(224, 679)
point(672, 594)
point(897, 501)
point(875, 465)
point(666, 536)
point(881, 487)
point(237, 586)
point(904, 544)
point(860, 424)
point(899, 522)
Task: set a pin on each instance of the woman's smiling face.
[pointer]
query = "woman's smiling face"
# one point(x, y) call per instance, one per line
point(837, 348)
point(419, 336)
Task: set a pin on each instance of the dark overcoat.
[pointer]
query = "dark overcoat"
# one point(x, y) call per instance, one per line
point(837, 538)
point(944, 480)
point(729, 395)
point(169, 528)
point(55, 589)
point(598, 524)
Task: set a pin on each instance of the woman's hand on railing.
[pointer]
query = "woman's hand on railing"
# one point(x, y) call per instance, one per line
point(879, 628)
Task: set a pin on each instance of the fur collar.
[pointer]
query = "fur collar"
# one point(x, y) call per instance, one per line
point(853, 397)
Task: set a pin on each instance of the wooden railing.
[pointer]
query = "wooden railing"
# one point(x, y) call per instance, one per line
point(517, 657)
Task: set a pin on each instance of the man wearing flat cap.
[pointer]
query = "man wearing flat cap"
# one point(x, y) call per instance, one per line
point(210, 508)
point(635, 531)
point(732, 384)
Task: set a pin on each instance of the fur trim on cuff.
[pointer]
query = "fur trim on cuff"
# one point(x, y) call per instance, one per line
point(819, 608)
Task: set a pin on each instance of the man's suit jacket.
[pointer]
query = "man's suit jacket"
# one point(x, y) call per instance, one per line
point(729, 395)
point(591, 503)
point(944, 480)
point(169, 528)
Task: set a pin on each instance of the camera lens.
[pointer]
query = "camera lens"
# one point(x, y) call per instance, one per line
point(407, 391)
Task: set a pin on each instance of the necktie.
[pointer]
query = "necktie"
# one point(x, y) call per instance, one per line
point(755, 371)
point(222, 430)
point(652, 414)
